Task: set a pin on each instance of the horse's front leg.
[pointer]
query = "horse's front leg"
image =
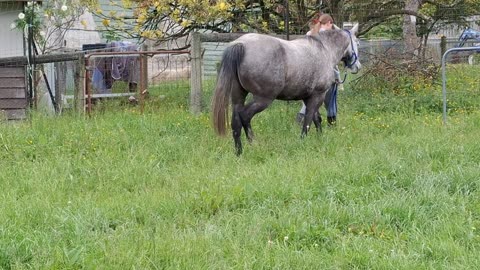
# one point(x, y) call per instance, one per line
point(317, 120)
point(311, 114)
point(306, 126)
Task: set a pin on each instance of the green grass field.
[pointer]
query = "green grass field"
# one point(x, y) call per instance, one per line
point(389, 187)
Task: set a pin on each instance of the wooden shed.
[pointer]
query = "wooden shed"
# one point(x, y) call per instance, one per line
point(13, 97)
point(13, 93)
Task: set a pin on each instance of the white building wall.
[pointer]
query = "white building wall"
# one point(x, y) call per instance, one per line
point(11, 41)
point(82, 34)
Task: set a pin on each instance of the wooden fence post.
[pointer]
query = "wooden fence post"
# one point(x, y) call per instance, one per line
point(443, 46)
point(60, 84)
point(196, 75)
point(145, 68)
point(143, 84)
point(79, 93)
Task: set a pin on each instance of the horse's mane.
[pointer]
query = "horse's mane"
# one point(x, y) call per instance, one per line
point(324, 35)
point(315, 39)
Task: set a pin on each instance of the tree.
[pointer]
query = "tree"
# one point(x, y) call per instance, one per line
point(441, 13)
point(163, 20)
point(426, 16)
point(409, 28)
point(50, 21)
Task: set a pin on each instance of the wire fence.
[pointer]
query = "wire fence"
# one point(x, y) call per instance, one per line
point(131, 73)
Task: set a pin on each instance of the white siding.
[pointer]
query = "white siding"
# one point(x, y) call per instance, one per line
point(79, 35)
point(11, 41)
point(212, 55)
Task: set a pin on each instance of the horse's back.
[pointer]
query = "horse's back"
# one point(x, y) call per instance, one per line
point(262, 48)
point(262, 69)
point(278, 68)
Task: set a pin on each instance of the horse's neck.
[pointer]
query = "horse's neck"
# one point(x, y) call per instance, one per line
point(335, 43)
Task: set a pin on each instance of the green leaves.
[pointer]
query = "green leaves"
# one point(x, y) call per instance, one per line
point(49, 21)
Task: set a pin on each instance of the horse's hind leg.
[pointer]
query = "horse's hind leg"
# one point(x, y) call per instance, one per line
point(317, 120)
point(237, 128)
point(257, 105)
point(238, 101)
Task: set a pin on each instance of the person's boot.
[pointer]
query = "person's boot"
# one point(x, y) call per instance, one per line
point(332, 120)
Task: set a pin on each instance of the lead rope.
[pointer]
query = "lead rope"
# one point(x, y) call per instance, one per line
point(344, 78)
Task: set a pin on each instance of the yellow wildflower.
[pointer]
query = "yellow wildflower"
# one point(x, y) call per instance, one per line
point(84, 23)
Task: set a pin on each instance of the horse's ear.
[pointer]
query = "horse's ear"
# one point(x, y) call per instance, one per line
point(336, 27)
point(354, 29)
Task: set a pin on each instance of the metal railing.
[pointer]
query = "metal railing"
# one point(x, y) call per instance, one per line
point(444, 76)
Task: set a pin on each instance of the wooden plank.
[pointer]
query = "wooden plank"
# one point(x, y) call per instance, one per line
point(111, 95)
point(60, 83)
point(12, 82)
point(13, 103)
point(18, 92)
point(15, 114)
point(220, 37)
point(40, 59)
point(12, 72)
point(79, 79)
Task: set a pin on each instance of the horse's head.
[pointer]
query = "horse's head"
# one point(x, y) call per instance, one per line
point(351, 56)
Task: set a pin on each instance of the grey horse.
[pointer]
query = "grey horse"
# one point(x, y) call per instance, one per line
point(271, 68)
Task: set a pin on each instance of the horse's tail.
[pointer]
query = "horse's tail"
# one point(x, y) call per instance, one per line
point(227, 81)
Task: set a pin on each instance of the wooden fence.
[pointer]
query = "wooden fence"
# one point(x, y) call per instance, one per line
point(13, 93)
point(18, 89)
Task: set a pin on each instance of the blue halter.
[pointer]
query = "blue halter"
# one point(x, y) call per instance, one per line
point(354, 55)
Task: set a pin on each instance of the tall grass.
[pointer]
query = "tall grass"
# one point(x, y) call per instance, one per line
point(389, 187)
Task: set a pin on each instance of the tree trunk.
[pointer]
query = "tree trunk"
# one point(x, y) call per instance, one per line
point(336, 7)
point(409, 29)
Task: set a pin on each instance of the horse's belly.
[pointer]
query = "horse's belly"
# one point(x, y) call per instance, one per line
point(294, 94)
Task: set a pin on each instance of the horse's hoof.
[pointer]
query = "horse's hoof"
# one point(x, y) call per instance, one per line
point(250, 136)
point(332, 120)
point(238, 150)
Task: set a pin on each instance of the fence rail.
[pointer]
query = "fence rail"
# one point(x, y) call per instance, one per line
point(40, 59)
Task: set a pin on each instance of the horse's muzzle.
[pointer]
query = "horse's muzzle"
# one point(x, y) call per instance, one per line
point(356, 68)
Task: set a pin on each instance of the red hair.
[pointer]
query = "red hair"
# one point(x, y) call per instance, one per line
point(321, 18)
point(315, 19)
